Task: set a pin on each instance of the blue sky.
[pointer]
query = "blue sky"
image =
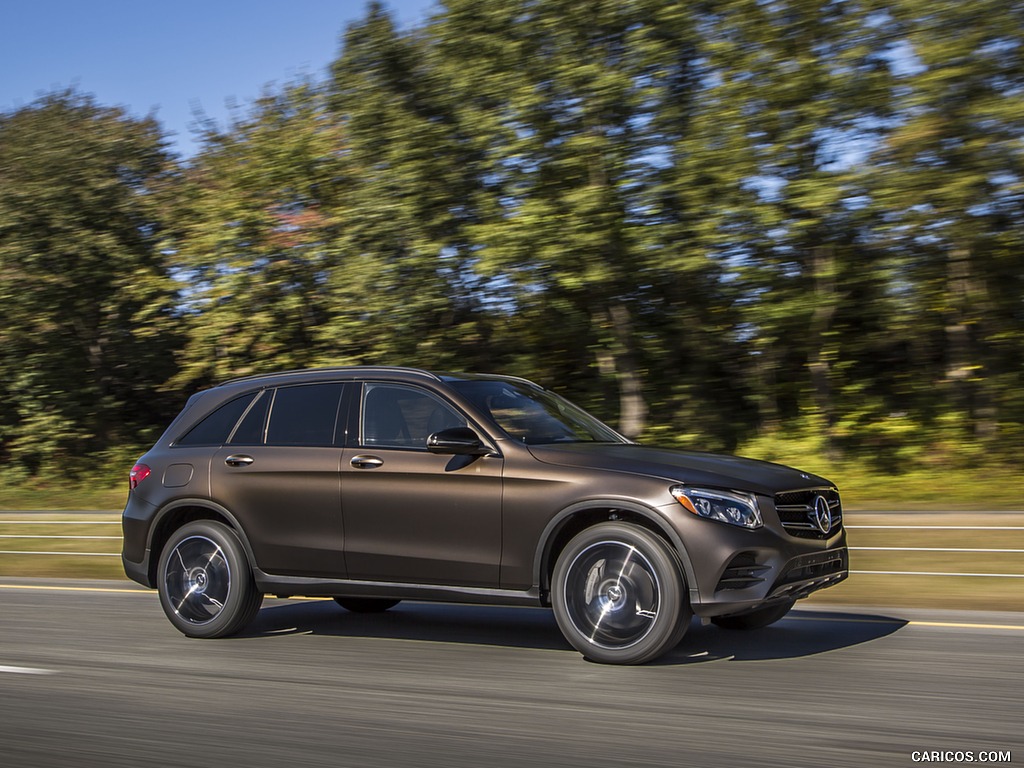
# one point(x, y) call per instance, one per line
point(170, 57)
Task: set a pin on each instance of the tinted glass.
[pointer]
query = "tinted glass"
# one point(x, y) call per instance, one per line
point(304, 415)
point(403, 417)
point(215, 428)
point(535, 416)
point(250, 430)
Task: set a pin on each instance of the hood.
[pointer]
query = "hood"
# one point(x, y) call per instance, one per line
point(689, 467)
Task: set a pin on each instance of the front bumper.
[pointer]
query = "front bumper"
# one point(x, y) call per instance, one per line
point(809, 573)
point(734, 570)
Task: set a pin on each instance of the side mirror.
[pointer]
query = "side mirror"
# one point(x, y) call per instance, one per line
point(460, 441)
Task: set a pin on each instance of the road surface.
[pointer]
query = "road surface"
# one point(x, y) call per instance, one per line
point(92, 674)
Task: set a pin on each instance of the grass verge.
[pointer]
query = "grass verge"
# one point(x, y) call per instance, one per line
point(921, 543)
point(886, 548)
point(96, 535)
point(84, 496)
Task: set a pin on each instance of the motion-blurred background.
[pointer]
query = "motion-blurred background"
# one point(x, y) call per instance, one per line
point(791, 229)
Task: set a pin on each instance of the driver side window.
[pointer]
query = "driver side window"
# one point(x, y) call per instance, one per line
point(396, 416)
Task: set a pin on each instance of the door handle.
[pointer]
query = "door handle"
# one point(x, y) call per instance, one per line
point(366, 462)
point(239, 460)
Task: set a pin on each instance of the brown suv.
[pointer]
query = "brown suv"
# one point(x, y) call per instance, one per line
point(372, 485)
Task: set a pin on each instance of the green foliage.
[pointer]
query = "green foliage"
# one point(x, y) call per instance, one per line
point(572, 107)
point(255, 227)
point(85, 302)
point(791, 228)
point(402, 289)
point(948, 184)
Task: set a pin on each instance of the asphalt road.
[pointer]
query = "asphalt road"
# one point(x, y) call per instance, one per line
point(100, 678)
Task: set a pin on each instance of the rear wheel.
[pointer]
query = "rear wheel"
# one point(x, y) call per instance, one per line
point(618, 594)
point(205, 583)
point(762, 617)
point(366, 604)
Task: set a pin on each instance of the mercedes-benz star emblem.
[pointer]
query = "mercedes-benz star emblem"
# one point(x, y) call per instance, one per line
point(822, 514)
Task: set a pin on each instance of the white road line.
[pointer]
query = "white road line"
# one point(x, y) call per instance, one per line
point(26, 670)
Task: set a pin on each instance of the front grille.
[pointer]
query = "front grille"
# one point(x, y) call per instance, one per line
point(797, 511)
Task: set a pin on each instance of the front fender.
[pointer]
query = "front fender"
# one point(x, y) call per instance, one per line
point(545, 555)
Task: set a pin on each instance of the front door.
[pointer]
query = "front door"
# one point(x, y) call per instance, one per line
point(412, 516)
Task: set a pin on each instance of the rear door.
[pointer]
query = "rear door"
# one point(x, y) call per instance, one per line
point(279, 474)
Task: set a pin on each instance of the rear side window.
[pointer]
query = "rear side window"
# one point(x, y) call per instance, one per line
point(215, 428)
point(304, 415)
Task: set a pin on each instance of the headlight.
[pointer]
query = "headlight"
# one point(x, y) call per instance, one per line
point(733, 507)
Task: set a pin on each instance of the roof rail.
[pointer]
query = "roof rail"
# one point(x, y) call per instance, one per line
point(335, 369)
point(497, 376)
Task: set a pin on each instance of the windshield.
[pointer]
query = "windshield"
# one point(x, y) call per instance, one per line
point(533, 415)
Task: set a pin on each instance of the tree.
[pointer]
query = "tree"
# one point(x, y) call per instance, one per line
point(257, 219)
point(769, 171)
point(402, 290)
point(950, 198)
point(563, 98)
point(85, 300)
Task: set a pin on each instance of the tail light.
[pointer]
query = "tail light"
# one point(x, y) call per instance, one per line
point(139, 473)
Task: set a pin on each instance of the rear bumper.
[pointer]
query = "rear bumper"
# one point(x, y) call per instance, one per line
point(138, 572)
point(136, 522)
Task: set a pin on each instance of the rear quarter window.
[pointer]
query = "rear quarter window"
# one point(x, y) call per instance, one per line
point(215, 428)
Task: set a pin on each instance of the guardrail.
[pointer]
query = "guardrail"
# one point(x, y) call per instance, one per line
point(952, 550)
point(79, 537)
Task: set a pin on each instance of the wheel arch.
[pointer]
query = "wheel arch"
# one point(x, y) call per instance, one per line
point(181, 512)
point(582, 515)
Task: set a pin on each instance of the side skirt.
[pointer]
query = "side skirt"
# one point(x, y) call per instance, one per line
point(300, 586)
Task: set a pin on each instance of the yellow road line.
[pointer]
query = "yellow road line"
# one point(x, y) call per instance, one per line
point(48, 588)
point(129, 590)
point(1014, 627)
point(906, 622)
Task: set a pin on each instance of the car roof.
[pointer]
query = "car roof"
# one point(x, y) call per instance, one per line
point(362, 371)
point(220, 393)
point(344, 371)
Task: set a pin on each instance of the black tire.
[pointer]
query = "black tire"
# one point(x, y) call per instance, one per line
point(366, 604)
point(619, 594)
point(762, 617)
point(205, 583)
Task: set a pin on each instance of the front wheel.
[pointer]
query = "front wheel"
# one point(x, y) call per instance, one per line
point(762, 617)
point(619, 595)
point(205, 583)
